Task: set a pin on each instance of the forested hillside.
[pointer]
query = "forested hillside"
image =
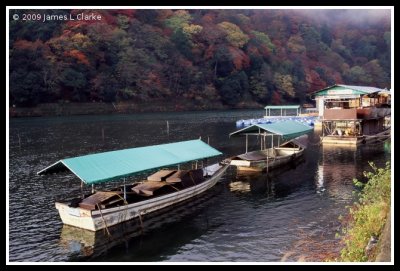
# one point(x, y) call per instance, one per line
point(230, 57)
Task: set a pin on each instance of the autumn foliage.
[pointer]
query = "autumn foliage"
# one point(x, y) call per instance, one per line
point(227, 56)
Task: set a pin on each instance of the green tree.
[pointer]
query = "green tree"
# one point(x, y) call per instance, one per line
point(31, 74)
point(263, 39)
point(177, 21)
point(233, 88)
point(234, 34)
point(283, 83)
point(182, 43)
point(222, 62)
point(296, 45)
point(326, 35)
point(357, 75)
point(75, 80)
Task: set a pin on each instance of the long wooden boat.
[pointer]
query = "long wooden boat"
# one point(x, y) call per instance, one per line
point(270, 158)
point(292, 133)
point(103, 209)
point(84, 244)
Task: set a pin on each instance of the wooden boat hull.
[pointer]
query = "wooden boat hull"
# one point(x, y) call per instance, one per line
point(95, 220)
point(288, 155)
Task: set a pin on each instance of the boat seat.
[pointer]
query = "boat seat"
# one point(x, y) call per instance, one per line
point(148, 188)
point(161, 175)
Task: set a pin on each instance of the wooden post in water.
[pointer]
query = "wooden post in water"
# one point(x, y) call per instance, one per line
point(167, 127)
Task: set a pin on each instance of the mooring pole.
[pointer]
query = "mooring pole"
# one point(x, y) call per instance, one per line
point(167, 127)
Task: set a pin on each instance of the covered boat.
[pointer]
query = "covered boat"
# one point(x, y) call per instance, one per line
point(291, 133)
point(102, 209)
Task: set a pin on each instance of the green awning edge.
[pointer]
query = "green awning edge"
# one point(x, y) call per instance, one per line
point(286, 129)
point(282, 107)
point(112, 165)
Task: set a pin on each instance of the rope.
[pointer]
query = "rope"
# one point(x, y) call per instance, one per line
point(141, 223)
point(173, 186)
point(119, 196)
point(105, 223)
point(191, 177)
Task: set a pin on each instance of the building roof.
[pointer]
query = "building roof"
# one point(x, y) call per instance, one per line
point(287, 129)
point(346, 90)
point(112, 165)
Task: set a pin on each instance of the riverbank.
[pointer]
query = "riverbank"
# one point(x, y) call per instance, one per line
point(384, 246)
point(99, 108)
point(367, 235)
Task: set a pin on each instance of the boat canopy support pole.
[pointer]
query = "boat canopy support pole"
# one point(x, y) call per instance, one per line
point(247, 141)
point(261, 143)
point(268, 160)
point(92, 188)
point(264, 141)
point(272, 141)
point(124, 189)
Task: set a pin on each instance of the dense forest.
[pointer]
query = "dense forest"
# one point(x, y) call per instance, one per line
point(202, 56)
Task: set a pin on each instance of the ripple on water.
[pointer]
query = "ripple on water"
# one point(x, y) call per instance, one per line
point(261, 219)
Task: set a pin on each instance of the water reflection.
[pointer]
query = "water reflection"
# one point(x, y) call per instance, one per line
point(337, 167)
point(274, 184)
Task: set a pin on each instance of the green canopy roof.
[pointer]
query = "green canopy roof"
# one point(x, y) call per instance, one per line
point(282, 107)
point(287, 129)
point(347, 90)
point(108, 166)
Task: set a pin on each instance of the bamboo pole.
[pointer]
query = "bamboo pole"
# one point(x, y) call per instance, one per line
point(167, 127)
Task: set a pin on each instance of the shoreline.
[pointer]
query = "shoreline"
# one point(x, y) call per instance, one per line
point(99, 108)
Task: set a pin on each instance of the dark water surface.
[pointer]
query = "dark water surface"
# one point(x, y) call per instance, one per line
point(289, 215)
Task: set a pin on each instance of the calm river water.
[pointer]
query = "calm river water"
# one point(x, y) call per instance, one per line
point(288, 215)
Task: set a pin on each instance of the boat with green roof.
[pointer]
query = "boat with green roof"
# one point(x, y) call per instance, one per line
point(166, 187)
